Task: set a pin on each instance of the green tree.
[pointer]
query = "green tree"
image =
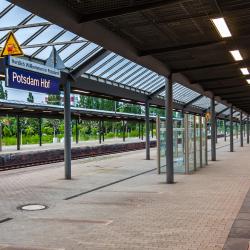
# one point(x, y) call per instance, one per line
point(54, 99)
point(30, 97)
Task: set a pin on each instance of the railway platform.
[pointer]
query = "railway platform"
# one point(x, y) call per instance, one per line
point(119, 202)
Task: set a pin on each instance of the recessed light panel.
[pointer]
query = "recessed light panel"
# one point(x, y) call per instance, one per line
point(222, 27)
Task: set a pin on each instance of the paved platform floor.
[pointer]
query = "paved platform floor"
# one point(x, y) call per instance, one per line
point(137, 213)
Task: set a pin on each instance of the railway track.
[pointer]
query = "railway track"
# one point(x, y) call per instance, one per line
point(27, 159)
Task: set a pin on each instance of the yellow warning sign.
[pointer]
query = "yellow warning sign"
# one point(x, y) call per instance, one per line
point(11, 47)
point(208, 116)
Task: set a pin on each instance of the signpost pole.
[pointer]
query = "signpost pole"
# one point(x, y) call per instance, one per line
point(67, 131)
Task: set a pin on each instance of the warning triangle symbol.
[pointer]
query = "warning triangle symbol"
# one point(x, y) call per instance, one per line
point(11, 47)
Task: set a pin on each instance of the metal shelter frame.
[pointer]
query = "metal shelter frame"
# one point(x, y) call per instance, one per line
point(123, 74)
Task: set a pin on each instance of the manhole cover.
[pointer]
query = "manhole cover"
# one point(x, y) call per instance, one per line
point(33, 207)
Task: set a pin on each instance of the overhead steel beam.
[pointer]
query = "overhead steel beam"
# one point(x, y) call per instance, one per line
point(236, 77)
point(51, 44)
point(115, 92)
point(234, 90)
point(236, 95)
point(190, 18)
point(177, 48)
point(218, 87)
point(25, 26)
point(176, 70)
point(125, 10)
point(192, 101)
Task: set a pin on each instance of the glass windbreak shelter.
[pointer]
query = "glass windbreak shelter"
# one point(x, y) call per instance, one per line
point(189, 141)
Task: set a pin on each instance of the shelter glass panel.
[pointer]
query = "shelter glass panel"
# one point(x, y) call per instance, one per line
point(191, 142)
point(197, 151)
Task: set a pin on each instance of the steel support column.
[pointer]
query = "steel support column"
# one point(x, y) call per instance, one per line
point(225, 130)
point(216, 130)
point(206, 147)
point(142, 131)
point(18, 133)
point(169, 130)
point(158, 121)
point(241, 130)
point(103, 131)
point(152, 129)
point(201, 135)
point(231, 130)
point(123, 130)
point(100, 132)
point(67, 131)
point(213, 131)
point(40, 131)
point(247, 129)
point(77, 132)
point(139, 130)
point(147, 125)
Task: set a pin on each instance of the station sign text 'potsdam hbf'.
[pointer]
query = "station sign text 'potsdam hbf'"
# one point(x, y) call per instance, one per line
point(26, 75)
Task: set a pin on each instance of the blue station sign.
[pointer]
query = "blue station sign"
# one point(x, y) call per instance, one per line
point(26, 75)
point(32, 81)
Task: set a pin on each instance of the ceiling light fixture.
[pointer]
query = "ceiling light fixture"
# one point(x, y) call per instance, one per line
point(81, 91)
point(236, 55)
point(244, 71)
point(248, 81)
point(221, 27)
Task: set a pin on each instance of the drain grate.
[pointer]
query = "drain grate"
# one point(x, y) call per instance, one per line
point(32, 207)
point(5, 220)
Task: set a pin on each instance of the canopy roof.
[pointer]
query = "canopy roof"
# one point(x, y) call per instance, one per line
point(137, 33)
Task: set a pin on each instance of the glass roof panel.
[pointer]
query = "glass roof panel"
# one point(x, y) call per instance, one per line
point(3, 5)
point(132, 69)
point(203, 103)
point(183, 94)
point(100, 71)
point(219, 107)
point(227, 112)
point(158, 83)
point(64, 38)
point(36, 19)
point(46, 35)
point(137, 77)
point(23, 34)
point(149, 81)
point(120, 63)
point(146, 79)
point(101, 62)
point(29, 51)
point(122, 71)
point(83, 54)
point(13, 17)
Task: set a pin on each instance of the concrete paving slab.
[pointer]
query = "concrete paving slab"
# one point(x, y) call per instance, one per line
point(140, 213)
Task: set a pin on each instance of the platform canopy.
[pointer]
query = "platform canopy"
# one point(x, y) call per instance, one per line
point(125, 49)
